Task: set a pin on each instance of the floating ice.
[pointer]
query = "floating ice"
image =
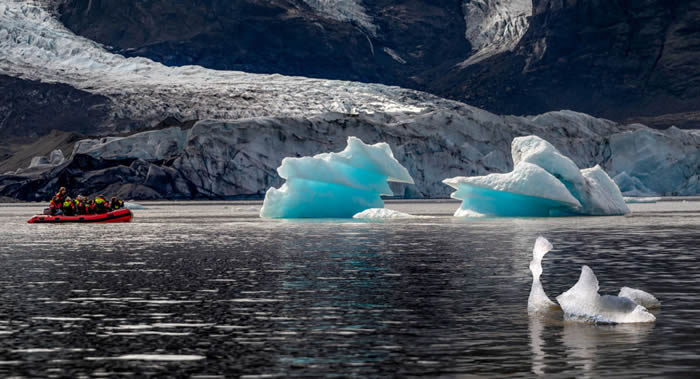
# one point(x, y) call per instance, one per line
point(132, 206)
point(583, 303)
point(543, 183)
point(640, 297)
point(538, 300)
point(382, 213)
point(641, 200)
point(335, 185)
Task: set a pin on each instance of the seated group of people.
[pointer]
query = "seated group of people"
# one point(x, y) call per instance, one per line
point(62, 204)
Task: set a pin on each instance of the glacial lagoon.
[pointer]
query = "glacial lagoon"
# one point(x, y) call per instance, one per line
point(208, 289)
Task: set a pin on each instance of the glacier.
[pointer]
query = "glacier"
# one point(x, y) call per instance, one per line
point(543, 183)
point(249, 122)
point(583, 303)
point(335, 185)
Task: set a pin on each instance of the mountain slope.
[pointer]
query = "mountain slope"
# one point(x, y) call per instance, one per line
point(615, 59)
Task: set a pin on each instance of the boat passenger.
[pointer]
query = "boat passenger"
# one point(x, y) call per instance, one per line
point(81, 205)
point(57, 202)
point(68, 207)
point(101, 205)
point(116, 204)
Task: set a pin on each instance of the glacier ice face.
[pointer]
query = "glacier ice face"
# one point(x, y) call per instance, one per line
point(335, 185)
point(640, 297)
point(538, 300)
point(543, 183)
point(583, 303)
point(149, 146)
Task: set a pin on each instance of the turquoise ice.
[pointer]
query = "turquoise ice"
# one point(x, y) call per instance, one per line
point(335, 185)
point(543, 183)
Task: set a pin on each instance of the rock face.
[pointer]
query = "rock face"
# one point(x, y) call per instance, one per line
point(612, 59)
point(30, 108)
point(619, 60)
point(238, 159)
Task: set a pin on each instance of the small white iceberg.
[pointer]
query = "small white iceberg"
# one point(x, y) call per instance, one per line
point(543, 182)
point(583, 303)
point(383, 213)
point(538, 300)
point(335, 185)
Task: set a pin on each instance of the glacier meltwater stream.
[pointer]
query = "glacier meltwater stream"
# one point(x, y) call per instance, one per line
point(210, 289)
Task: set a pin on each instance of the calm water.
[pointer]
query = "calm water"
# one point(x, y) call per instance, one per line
point(207, 290)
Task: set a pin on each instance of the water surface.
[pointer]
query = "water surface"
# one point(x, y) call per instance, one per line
point(209, 289)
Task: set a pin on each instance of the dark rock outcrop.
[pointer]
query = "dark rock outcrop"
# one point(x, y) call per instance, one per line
point(30, 108)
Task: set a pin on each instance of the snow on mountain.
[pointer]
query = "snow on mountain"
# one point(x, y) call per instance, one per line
point(345, 10)
point(36, 46)
point(494, 26)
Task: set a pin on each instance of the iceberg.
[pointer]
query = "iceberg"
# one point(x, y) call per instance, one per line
point(583, 303)
point(335, 185)
point(538, 300)
point(543, 183)
point(383, 213)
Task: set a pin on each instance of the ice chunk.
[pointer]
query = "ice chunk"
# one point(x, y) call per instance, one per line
point(642, 200)
point(527, 191)
point(335, 185)
point(132, 206)
point(583, 303)
point(383, 213)
point(601, 196)
point(538, 300)
point(640, 297)
point(543, 183)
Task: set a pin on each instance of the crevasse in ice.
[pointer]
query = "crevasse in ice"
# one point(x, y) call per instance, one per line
point(335, 185)
point(583, 303)
point(543, 183)
point(538, 300)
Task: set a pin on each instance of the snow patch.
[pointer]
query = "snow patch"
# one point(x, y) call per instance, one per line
point(494, 26)
point(346, 11)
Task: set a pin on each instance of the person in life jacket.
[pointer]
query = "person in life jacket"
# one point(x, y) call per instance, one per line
point(68, 207)
point(57, 202)
point(81, 205)
point(101, 205)
point(116, 204)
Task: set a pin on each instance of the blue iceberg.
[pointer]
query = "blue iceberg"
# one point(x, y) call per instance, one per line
point(543, 183)
point(335, 185)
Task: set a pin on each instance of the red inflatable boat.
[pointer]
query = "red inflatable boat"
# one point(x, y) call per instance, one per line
point(121, 215)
